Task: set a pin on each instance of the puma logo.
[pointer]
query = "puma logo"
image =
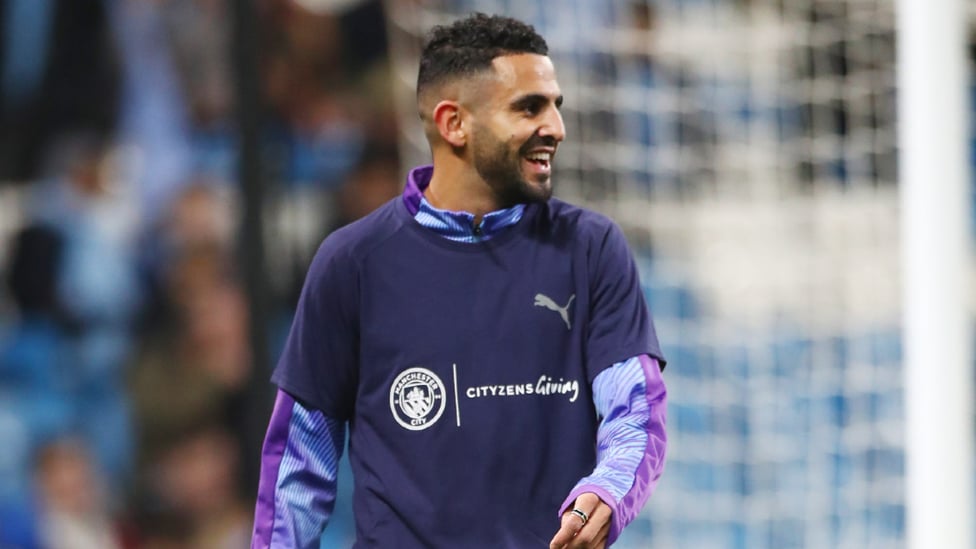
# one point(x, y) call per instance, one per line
point(542, 300)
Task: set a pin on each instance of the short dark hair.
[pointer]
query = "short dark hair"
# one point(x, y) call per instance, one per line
point(468, 46)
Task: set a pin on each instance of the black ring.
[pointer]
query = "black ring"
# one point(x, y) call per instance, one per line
point(581, 514)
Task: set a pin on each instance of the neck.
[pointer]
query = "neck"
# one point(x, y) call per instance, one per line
point(455, 186)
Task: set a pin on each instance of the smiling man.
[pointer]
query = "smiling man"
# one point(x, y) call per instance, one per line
point(503, 121)
point(488, 345)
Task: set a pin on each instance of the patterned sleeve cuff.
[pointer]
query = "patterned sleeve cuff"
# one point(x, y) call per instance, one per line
point(631, 399)
point(297, 487)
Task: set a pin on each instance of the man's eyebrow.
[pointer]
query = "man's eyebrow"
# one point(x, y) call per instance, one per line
point(534, 99)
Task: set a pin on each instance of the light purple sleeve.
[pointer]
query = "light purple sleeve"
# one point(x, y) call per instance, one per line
point(297, 488)
point(631, 399)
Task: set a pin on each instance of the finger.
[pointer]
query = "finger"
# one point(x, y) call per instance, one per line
point(572, 523)
point(597, 528)
point(587, 502)
point(581, 540)
point(601, 538)
point(568, 528)
point(601, 542)
point(590, 538)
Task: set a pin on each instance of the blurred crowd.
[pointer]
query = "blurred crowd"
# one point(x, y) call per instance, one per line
point(126, 364)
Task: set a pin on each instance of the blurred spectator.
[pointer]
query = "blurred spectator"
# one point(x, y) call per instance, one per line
point(154, 129)
point(203, 214)
point(196, 368)
point(35, 404)
point(194, 364)
point(198, 33)
point(324, 109)
point(199, 36)
point(162, 529)
point(198, 476)
point(316, 117)
point(192, 495)
point(35, 351)
point(365, 51)
point(119, 115)
point(97, 288)
point(375, 180)
point(72, 502)
point(60, 73)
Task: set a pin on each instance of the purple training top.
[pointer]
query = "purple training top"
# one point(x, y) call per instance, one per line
point(469, 393)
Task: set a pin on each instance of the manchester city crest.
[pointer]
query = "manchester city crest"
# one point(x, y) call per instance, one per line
point(417, 398)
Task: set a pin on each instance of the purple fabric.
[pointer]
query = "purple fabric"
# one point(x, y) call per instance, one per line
point(458, 226)
point(295, 469)
point(271, 454)
point(307, 476)
point(297, 487)
point(644, 418)
point(652, 464)
point(417, 181)
point(639, 377)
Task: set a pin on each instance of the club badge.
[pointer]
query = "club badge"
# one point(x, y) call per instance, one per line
point(417, 398)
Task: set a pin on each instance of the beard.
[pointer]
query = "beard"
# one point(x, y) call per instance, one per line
point(500, 165)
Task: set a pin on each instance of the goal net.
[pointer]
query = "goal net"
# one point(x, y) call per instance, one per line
point(748, 149)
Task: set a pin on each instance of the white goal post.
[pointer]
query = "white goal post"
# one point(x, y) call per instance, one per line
point(934, 125)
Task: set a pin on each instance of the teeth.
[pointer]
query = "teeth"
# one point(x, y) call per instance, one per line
point(540, 156)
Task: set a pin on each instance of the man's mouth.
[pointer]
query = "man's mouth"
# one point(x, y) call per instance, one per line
point(541, 161)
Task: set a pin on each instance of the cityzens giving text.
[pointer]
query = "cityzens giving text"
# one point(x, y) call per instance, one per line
point(545, 386)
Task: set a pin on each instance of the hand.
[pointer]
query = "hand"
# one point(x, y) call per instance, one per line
point(573, 534)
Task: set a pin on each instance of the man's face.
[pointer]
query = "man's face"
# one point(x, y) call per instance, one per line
point(517, 128)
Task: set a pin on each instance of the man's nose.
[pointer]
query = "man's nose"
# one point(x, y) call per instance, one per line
point(553, 126)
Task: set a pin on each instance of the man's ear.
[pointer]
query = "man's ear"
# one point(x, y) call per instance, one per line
point(448, 119)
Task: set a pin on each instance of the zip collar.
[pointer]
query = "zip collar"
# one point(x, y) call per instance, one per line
point(451, 224)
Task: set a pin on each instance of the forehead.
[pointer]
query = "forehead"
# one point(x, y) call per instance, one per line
point(525, 73)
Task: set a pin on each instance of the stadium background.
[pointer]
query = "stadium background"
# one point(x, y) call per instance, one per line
point(747, 147)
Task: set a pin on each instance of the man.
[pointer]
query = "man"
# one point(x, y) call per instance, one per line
point(489, 346)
